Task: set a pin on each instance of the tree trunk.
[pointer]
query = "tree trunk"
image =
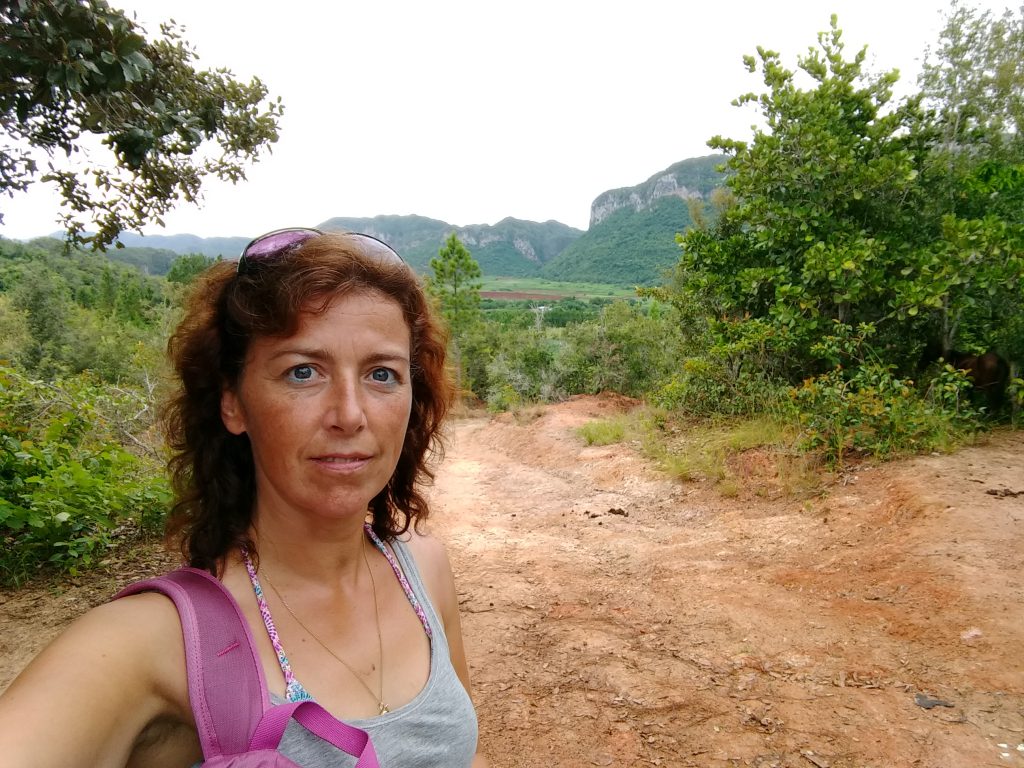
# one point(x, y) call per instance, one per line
point(1015, 373)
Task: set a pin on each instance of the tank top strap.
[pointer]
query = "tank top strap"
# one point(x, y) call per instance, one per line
point(400, 575)
point(294, 690)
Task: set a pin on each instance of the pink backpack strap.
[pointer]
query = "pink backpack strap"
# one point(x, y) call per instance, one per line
point(226, 686)
point(319, 721)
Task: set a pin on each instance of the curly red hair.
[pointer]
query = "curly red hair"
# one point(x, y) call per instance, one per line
point(212, 470)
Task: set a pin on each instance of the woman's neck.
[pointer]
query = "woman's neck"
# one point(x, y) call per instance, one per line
point(302, 551)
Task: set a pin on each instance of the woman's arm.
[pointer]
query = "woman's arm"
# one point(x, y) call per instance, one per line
point(86, 699)
point(432, 560)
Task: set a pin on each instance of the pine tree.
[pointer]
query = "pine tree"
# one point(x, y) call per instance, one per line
point(455, 286)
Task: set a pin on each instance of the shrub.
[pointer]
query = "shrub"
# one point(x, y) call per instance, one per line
point(67, 483)
point(704, 386)
point(630, 349)
point(872, 411)
point(522, 371)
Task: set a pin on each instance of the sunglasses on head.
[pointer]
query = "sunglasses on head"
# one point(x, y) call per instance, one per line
point(277, 243)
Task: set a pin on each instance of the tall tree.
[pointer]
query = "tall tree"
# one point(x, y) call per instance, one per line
point(825, 208)
point(974, 80)
point(455, 285)
point(187, 267)
point(78, 77)
point(44, 297)
point(970, 284)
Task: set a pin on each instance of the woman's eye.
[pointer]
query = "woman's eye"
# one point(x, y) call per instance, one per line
point(301, 373)
point(383, 375)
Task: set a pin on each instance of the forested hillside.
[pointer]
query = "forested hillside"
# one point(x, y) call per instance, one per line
point(628, 247)
point(68, 312)
point(511, 247)
point(81, 367)
point(632, 234)
point(631, 239)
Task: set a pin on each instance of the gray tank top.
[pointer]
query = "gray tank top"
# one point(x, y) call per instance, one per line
point(437, 729)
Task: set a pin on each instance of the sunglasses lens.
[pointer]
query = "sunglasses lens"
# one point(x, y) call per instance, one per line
point(372, 246)
point(275, 242)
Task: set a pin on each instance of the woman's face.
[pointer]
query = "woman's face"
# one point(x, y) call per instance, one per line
point(326, 409)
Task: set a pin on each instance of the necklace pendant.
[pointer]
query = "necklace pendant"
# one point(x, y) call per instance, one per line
point(383, 708)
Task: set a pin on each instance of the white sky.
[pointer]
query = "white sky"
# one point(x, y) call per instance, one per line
point(473, 111)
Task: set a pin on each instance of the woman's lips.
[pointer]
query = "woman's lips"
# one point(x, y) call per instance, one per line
point(342, 462)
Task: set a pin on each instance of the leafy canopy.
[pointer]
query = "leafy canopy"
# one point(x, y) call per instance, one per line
point(825, 198)
point(125, 125)
point(970, 285)
point(854, 215)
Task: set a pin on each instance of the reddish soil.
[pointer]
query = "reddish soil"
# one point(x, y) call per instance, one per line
point(616, 617)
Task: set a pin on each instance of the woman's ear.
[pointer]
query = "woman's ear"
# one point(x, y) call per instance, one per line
point(231, 412)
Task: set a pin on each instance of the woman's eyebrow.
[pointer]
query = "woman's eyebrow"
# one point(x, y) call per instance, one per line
point(387, 357)
point(318, 353)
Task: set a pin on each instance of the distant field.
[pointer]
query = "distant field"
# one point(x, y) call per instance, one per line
point(538, 288)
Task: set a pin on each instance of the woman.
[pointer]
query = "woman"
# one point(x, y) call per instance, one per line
point(312, 386)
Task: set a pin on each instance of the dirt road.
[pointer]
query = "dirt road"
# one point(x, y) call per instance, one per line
point(616, 618)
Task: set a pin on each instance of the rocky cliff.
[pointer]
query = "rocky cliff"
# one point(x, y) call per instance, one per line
point(631, 238)
point(693, 178)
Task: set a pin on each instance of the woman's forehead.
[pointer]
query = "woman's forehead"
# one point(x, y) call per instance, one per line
point(368, 301)
point(367, 313)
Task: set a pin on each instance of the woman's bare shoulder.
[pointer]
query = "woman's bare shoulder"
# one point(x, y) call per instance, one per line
point(424, 542)
point(113, 671)
point(434, 566)
point(430, 553)
point(142, 628)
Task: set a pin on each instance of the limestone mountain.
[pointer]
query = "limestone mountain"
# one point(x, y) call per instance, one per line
point(630, 240)
point(687, 179)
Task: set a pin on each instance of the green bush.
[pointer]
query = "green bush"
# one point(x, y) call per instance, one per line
point(522, 370)
point(869, 410)
point(704, 386)
point(630, 349)
point(67, 483)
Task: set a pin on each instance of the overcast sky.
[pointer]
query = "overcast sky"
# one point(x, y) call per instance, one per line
point(473, 111)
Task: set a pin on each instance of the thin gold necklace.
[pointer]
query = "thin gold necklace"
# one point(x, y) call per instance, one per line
point(381, 706)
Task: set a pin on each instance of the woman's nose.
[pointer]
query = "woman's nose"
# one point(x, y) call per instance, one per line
point(345, 408)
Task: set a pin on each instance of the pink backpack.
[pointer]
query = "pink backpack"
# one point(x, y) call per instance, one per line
point(237, 725)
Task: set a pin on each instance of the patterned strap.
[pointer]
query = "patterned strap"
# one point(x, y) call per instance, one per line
point(413, 600)
point(294, 690)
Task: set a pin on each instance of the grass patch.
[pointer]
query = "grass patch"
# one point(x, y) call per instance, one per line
point(752, 455)
point(741, 457)
point(604, 431)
